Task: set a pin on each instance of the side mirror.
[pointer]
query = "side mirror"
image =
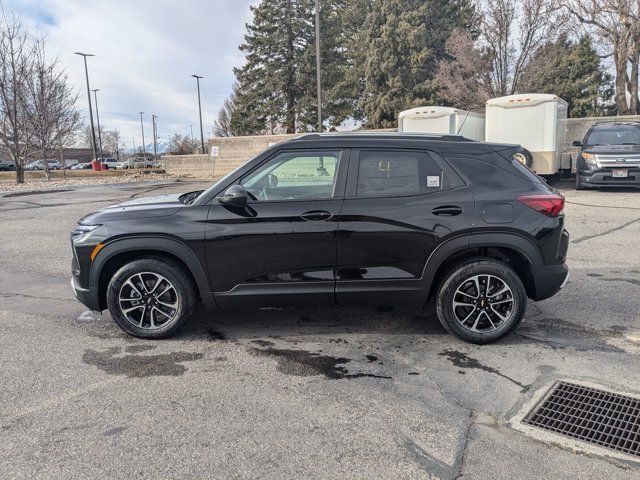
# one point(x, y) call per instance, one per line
point(235, 196)
point(577, 143)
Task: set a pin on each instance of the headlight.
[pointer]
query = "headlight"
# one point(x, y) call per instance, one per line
point(590, 158)
point(82, 230)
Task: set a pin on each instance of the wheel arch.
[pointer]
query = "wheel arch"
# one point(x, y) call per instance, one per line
point(512, 249)
point(117, 253)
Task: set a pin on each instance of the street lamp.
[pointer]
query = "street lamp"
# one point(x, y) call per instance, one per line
point(95, 94)
point(93, 131)
point(154, 119)
point(198, 77)
point(144, 149)
point(318, 72)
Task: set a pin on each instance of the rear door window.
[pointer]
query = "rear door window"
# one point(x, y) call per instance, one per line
point(384, 173)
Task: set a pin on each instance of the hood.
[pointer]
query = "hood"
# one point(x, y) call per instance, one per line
point(613, 149)
point(148, 207)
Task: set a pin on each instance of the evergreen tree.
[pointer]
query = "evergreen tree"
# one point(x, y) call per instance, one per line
point(269, 85)
point(573, 71)
point(405, 41)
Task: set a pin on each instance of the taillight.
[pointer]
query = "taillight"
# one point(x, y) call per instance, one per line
point(550, 205)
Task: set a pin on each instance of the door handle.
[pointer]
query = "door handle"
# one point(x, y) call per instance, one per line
point(447, 210)
point(317, 215)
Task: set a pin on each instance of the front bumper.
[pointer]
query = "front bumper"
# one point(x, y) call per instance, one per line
point(549, 280)
point(605, 178)
point(86, 296)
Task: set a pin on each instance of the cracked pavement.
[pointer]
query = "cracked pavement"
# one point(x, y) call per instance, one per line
point(303, 393)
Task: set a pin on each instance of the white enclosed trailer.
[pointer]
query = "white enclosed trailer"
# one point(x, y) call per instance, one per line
point(533, 120)
point(442, 120)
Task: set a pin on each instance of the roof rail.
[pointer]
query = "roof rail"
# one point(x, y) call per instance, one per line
point(397, 135)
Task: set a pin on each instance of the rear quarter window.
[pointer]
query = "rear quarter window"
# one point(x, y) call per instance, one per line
point(488, 174)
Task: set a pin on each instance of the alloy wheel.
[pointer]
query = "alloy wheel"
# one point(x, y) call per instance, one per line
point(148, 300)
point(483, 303)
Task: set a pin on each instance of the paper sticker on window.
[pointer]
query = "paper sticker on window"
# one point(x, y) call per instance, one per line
point(433, 181)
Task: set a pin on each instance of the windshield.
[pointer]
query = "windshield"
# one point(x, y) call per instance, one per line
point(614, 135)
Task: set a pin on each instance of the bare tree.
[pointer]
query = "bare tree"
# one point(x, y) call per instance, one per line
point(465, 78)
point(111, 141)
point(181, 145)
point(512, 30)
point(222, 126)
point(50, 105)
point(615, 25)
point(16, 65)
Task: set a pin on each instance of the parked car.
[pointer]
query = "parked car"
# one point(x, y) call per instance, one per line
point(135, 162)
point(39, 165)
point(82, 166)
point(335, 219)
point(7, 165)
point(609, 156)
point(108, 163)
point(69, 164)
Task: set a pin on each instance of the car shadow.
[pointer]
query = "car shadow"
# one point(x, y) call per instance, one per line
point(251, 324)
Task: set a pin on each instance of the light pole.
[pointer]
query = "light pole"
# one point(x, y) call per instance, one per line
point(144, 149)
point(154, 119)
point(133, 139)
point(198, 77)
point(191, 127)
point(95, 95)
point(318, 72)
point(93, 131)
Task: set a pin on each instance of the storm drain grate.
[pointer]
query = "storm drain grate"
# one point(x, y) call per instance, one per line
point(595, 416)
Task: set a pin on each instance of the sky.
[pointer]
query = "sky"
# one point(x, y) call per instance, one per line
point(145, 52)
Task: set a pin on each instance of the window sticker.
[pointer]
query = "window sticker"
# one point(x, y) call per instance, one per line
point(433, 181)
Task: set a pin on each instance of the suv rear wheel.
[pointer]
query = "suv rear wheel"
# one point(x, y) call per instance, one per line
point(151, 298)
point(481, 301)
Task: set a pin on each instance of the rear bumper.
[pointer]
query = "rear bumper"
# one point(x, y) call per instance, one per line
point(86, 296)
point(549, 280)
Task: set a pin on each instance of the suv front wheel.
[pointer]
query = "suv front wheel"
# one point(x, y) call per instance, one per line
point(151, 298)
point(481, 301)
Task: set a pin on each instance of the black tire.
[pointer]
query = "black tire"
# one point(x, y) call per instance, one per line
point(457, 277)
point(174, 274)
point(524, 157)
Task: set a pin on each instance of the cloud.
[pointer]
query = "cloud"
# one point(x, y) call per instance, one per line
point(145, 52)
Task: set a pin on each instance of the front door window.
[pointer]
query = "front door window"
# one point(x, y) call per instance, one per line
point(308, 175)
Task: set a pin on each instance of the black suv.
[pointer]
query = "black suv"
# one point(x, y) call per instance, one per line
point(609, 156)
point(335, 220)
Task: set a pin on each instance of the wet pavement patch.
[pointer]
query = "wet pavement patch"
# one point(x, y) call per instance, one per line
point(263, 343)
point(215, 335)
point(33, 192)
point(114, 431)
point(462, 360)
point(301, 363)
point(138, 366)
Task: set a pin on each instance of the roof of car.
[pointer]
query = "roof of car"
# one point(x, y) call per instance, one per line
point(381, 136)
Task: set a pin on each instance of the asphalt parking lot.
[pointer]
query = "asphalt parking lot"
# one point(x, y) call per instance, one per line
point(303, 393)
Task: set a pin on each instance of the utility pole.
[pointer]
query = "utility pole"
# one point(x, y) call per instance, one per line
point(154, 119)
point(144, 149)
point(198, 77)
point(93, 131)
point(318, 72)
point(191, 127)
point(133, 139)
point(95, 94)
